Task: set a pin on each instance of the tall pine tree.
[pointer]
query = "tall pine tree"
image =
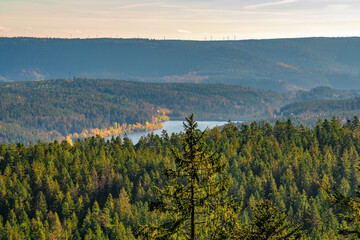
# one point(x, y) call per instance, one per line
point(192, 198)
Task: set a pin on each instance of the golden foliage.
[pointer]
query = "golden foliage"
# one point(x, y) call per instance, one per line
point(120, 129)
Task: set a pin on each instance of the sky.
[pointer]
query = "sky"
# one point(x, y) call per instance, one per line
point(180, 19)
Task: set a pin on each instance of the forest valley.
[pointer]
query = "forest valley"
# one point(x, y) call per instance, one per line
point(251, 182)
point(61, 109)
point(69, 109)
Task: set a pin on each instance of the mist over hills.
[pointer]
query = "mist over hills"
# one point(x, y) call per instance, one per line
point(278, 64)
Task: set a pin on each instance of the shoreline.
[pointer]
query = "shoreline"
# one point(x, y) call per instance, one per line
point(175, 126)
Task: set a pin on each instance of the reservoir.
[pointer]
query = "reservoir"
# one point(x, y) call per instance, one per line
point(174, 127)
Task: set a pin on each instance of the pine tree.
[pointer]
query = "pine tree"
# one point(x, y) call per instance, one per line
point(350, 205)
point(271, 223)
point(194, 191)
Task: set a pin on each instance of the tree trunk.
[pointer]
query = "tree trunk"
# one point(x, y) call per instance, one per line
point(192, 237)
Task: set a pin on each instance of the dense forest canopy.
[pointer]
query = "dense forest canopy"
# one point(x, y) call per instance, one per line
point(277, 64)
point(99, 189)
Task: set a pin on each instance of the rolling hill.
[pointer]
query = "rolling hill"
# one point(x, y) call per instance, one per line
point(278, 64)
point(323, 108)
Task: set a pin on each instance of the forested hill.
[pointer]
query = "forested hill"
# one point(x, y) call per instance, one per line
point(344, 109)
point(325, 93)
point(279, 64)
point(52, 109)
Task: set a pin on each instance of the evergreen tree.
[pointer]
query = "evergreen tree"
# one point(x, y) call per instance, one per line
point(350, 206)
point(270, 223)
point(194, 191)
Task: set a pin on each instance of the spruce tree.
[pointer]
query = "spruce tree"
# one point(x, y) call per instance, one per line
point(350, 206)
point(192, 198)
point(269, 223)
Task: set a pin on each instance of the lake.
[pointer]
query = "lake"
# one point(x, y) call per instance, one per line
point(174, 127)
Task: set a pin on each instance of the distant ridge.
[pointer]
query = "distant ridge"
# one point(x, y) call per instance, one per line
point(276, 64)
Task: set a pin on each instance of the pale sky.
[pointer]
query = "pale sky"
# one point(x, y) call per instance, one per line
point(180, 19)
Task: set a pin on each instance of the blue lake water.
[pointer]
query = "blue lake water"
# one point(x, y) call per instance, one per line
point(174, 127)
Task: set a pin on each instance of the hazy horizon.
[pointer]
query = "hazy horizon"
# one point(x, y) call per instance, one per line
point(181, 19)
point(173, 39)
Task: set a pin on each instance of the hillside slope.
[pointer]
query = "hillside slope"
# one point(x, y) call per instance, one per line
point(309, 112)
point(53, 109)
point(279, 64)
point(322, 107)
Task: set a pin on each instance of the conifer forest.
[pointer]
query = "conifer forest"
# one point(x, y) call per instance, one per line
point(253, 182)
